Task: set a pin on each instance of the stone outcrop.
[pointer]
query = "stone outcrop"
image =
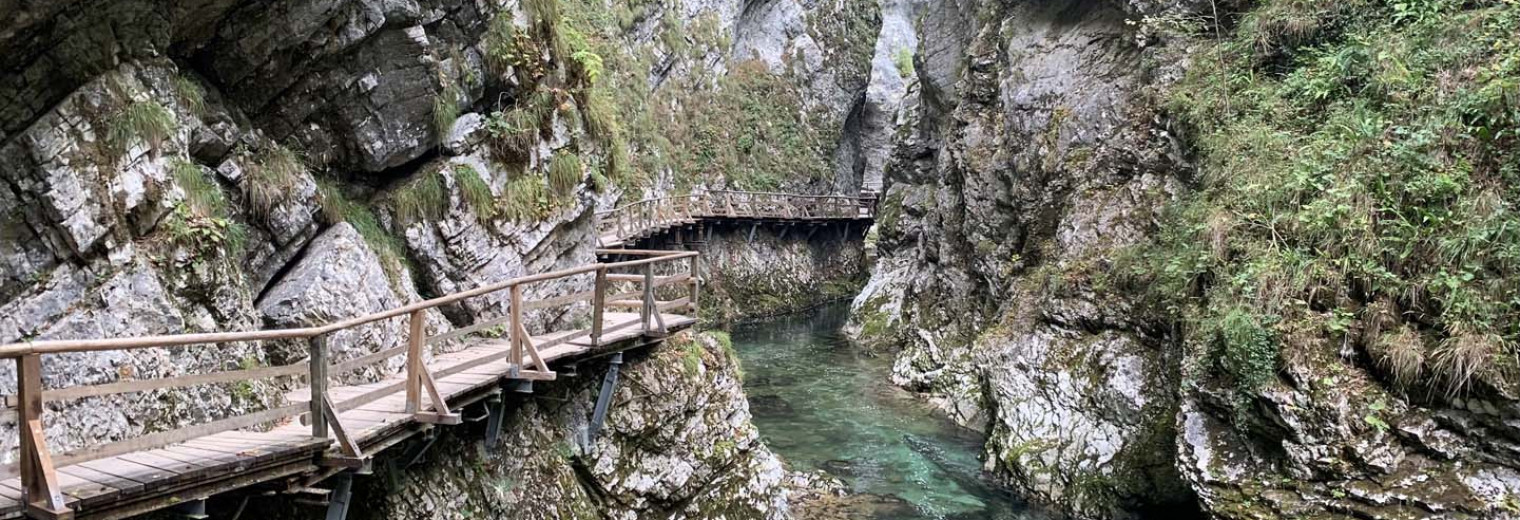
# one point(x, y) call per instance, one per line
point(777, 270)
point(1031, 153)
point(1034, 154)
point(677, 444)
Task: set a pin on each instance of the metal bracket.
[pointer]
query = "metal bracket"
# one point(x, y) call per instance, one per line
point(604, 398)
point(342, 493)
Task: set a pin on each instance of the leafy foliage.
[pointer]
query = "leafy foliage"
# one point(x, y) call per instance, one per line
point(1356, 160)
point(202, 223)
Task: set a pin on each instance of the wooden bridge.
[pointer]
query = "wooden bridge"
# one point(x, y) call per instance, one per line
point(628, 224)
point(340, 427)
point(328, 432)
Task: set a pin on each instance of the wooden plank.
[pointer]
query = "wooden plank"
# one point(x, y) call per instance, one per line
point(120, 485)
point(78, 489)
point(151, 478)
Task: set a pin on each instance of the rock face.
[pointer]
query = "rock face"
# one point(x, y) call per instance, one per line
point(1031, 152)
point(677, 444)
point(1035, 158)
point(774, 271)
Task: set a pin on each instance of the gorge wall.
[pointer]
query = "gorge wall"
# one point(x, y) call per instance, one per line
point(171, 166)
point(1167, 253)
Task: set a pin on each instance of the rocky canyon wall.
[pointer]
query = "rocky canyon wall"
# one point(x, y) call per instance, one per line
point(1102, 242)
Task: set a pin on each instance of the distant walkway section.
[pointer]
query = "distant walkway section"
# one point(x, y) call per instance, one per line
point(643, 219)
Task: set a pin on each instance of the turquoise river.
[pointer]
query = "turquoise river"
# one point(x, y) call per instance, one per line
point(823, 404)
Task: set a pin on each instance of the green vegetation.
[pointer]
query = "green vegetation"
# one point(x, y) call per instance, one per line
point(565, 173)
point(691, 357)
point(1358, 167)
point(476, 193)
point(190, 94)
point(423, 198)
point(270, 176)
point(143, 120)
point(904, 61)
point(202, 223)
point(445, 111)
point(338, 207)
point(526, 198)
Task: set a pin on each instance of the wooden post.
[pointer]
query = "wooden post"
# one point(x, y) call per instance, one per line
point(317, 359)
point(598, 303)
point(645, 310)
point(415, 338)
point(39, 480)
point(696, 281)
point(517, 328)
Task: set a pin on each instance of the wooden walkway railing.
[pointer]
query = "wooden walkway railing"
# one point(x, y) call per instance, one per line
point(640, 219)
point(160, 468)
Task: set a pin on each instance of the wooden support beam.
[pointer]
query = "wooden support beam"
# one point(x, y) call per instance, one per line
point(39, 479)
point(346, 445)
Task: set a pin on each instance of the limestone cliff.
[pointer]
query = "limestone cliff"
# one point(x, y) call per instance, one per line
point(1164, 253)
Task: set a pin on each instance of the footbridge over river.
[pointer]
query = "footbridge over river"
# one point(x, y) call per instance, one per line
point(311, 446)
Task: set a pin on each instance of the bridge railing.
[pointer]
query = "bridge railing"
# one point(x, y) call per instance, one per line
point(37, 464)
point(653, 214)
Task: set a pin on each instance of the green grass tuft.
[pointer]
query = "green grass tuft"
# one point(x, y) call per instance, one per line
point(190, 94)
point(337, 207)
point(424, 198)
point(904, 61)
point(476, 193)
point(524, 199)
point(144, 120)
point(565, 173)
point(445, 112)
point(270, 176)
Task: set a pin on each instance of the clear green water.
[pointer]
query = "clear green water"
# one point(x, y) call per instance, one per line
point(822, 404)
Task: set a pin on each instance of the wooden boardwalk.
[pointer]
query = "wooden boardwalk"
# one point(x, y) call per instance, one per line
point(324, 430)
point(630, 223)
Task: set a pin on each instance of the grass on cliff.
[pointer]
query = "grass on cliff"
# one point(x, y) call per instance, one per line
point(1358, 170)
point(143, 120)
point(270, 175)
point(203, 222)
point(338, 206)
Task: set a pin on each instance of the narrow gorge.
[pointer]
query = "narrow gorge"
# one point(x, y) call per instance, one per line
point(918, 259)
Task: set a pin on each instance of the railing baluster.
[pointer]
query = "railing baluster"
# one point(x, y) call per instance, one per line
point(644, 310)
point(598, 305)
point(317, 359)
point(696, 282)
point(39, 480)
point(517, 328)
point(414, 341)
